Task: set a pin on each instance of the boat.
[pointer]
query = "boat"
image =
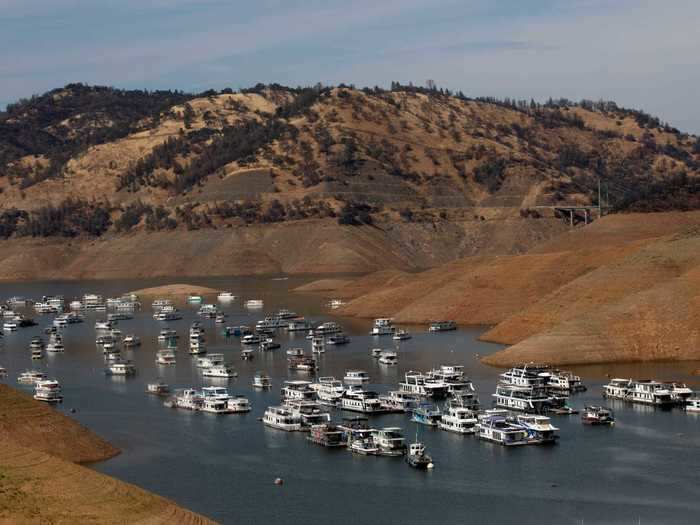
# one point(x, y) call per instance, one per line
point(295, 390)
point(37, 353)
point(453, 376)
point(338, 339)
point(389, 358)
point(269, 344)
point(384, 326)
point(354, 377)
point(284, 313)
point(216, 399)
point(335, 303)
point(299, 325)
point(261, 380)
point(302, 363)
point(220, 318)
point(310, 412)
point(209, 311)
point(329, 390)
point(282, 418)
point(597, 415)
point(539, 428)
point(398, 401)
point(327, 328)
point(401, 335)
point(497, 429)
point(364, 446)
point(251, 339)
point(165, 357)
point(161, 303)
point(327, 435)
point(119, 316)
point(198, 346)
point(424, 386)
point(48, 390)
point(254, 304)
point(10, 326)
point(680, 393)
point(167, 315)
point(36, 342)
point(376, 352)
point(131, 341)
point(159, 389)
point(617, 388)
point(363, 401)
point(222, 371)
point(693, 404)
point(426, 414)
point(225, 297)
point(210, 360)
point(565, 382)
point(104, 325)
point(442, 326)
point(649, 392)
point(269, 323)
point(194, 299)
point(55, 347)
point(3, 372)
point(247, 354)
point(121, 368)
point(167, 334)
point(416, 456)
point(188, 399)
point(295, 352)
point(458, 419)
point(523, 398)
point(30, 377)
point(389, 441)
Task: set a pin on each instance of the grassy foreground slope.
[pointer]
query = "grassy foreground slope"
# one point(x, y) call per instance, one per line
point(42, 482)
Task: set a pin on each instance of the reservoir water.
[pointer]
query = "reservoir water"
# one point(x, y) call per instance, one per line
point(642, 470)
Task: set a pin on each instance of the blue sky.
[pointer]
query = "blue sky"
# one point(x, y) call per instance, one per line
point(643, 54)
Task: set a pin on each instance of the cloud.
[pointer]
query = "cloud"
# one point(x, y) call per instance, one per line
point(639, 53)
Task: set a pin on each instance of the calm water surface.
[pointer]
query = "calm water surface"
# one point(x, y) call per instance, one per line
point(644, 470)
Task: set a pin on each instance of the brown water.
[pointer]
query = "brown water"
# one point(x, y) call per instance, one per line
point(643, 470)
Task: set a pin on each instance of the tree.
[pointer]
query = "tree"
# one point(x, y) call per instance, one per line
point(187, 115)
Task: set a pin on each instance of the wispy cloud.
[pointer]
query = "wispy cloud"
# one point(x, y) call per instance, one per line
point(637, 52)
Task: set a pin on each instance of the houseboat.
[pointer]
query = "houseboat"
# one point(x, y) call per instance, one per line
point(121, 369)
point(458, 419)
point(363, 401)
point(167, 334)
point(497, 429)
point(338, 339)
point(309, 412)
point(422, 385)
point(282, 418)
point(48, 390)
point(398, 401)
point(401, 335)
point(327, 435)
point(30, 377)
point(328, 328)
point(225, 297)
point(596, 415)
point(389, 441)
point(261, 380)
point(295, 390)
point(329, 390)
point(220, 371)
point(355, 377)
point(299, 325)
point(159, 389)
point(426, 414)
point(165, 357)
point(693, 404)
point(539, 428)
point(254, 304)
point(302, 364)
point(269, 344)
point(442, 326)
point(384, 326)
point(389, 358)
point(210, 360)
point(617, 388)
point(318, 345)
point(522, 398)
point(650, 392)
point(251, 339)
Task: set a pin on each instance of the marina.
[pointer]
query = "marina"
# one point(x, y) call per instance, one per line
point(449, 367)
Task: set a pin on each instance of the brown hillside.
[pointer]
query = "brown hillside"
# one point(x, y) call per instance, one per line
point(41, 482)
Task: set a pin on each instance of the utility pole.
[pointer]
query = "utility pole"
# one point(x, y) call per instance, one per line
point(600, 212)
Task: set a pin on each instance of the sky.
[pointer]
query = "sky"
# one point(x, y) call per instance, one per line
point(642, 54)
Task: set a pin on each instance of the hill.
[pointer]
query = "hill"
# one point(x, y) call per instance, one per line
point(623, 289)
point(401, 167)
point(42, 482)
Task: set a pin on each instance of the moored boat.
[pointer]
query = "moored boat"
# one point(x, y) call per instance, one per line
point(597, 415)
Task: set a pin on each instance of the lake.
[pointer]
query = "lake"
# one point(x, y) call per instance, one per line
point(642, 470)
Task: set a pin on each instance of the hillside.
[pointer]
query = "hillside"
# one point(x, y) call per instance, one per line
point(622, 289)
point(42, 482)
point(405, 170)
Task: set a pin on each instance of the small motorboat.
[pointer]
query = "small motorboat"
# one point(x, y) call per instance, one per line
point(417, 458)
point(159, 389)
